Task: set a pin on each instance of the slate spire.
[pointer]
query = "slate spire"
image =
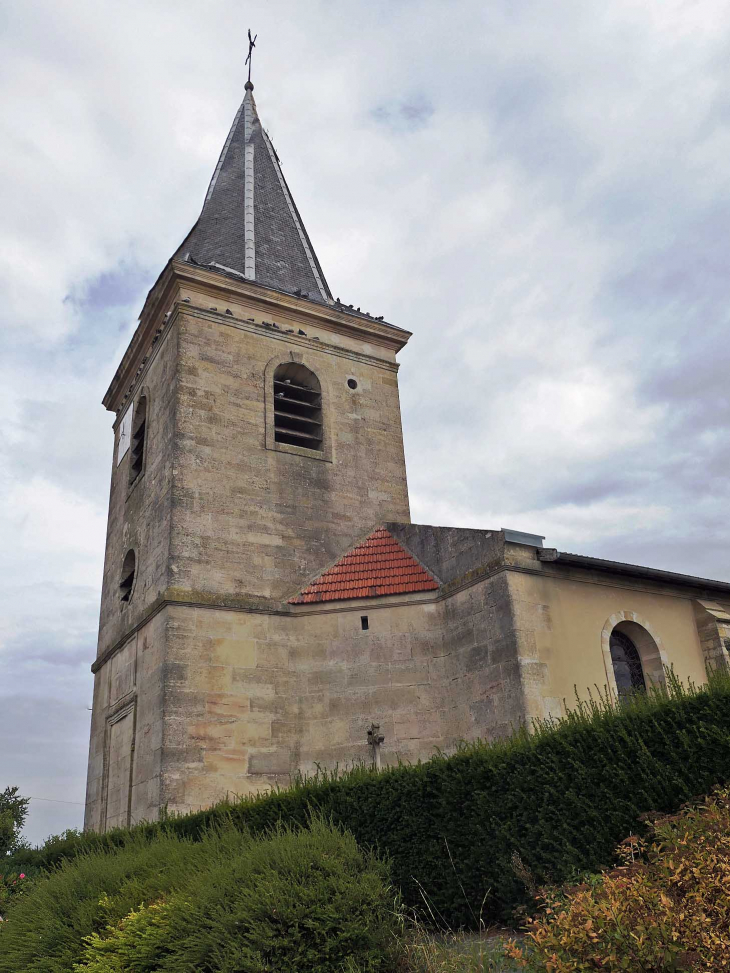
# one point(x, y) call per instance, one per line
point(249, 223)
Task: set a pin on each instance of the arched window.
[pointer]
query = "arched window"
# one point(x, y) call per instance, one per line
point(627, 667)
point(127, 582)
point(297, 406)
point(139, 424)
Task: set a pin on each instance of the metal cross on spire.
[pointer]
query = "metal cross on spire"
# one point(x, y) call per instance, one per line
point(251, 45)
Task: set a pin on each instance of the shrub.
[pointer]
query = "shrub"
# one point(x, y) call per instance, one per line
point(13, 812)
point(666, 908)
point(561, 797)
point(295, 900)
point(45, 928)
point(12, 886)
point(135, 943)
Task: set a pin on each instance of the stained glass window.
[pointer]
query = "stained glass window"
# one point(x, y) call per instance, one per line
point(627, 666)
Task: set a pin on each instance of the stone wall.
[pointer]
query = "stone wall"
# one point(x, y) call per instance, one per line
point(223, 516)
point(236, 700)
point(251, 698)
point(252, 521)
point(140, 516)
point(125, 758)
point(122, 783)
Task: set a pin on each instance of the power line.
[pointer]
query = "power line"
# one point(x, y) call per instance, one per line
point(53, 800)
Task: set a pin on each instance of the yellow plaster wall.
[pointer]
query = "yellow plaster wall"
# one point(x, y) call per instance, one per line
point(563, 620)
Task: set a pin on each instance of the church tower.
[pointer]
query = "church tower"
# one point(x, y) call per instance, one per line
point(257, 437)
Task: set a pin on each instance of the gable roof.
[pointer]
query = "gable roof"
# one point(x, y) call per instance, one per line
point(249, 224)
point(380, 565)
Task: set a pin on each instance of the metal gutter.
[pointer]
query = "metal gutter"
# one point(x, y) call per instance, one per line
point(631, 570)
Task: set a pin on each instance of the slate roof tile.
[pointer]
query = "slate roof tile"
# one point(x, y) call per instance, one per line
point(249, 211)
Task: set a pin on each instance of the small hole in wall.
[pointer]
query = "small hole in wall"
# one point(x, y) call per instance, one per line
point(351, 384)
point(364, 623)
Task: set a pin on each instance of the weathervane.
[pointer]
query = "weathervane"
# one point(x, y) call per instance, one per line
point(251, 45)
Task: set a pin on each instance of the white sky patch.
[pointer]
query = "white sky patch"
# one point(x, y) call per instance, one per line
point(58, 531)
point(595, 522)
point(566, 527)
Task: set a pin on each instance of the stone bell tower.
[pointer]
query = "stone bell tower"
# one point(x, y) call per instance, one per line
point(257, 436)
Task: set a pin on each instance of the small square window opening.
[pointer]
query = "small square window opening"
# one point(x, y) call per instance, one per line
point(364, 623)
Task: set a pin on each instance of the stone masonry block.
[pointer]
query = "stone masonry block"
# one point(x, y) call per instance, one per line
point(252, 732)
point(272, 655)
point(270, 762)
point(233, 652)
point(368, 677)
point(321, 734)
point(227, 762)
point(211, 736)
point(275, 706)
point(210, 679)
point(227, 705)
point(410, 674)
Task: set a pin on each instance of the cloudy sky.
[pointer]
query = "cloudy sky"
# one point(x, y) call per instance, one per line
point(539, 191)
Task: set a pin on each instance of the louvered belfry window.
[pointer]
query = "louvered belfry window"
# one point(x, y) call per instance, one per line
point(139, 425)
point(297, 406)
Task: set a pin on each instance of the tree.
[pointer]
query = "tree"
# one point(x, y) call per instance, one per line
point(13, 812)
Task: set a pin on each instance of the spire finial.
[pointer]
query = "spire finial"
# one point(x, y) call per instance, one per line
point(251, 45)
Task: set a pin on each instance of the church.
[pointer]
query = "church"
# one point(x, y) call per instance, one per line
point(267, 605)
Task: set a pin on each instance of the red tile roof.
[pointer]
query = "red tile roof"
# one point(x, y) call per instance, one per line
point(378, 566)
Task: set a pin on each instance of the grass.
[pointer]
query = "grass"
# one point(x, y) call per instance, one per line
point(426, 952)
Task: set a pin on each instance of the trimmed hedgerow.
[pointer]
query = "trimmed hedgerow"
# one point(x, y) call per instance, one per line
point(561, 797)
point(296, 900)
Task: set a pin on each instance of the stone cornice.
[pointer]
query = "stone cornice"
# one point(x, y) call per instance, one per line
point(191, 599)
point(150, 321)
point(292, 340)
point(164, 299)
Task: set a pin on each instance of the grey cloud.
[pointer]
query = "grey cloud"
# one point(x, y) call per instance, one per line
point(408, 114)
point(51, 624)
point(47, 761)
point(582, 486)
point(113, 288)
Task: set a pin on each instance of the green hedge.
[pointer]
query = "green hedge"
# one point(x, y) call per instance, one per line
point(561, 797)
point(295, 900)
